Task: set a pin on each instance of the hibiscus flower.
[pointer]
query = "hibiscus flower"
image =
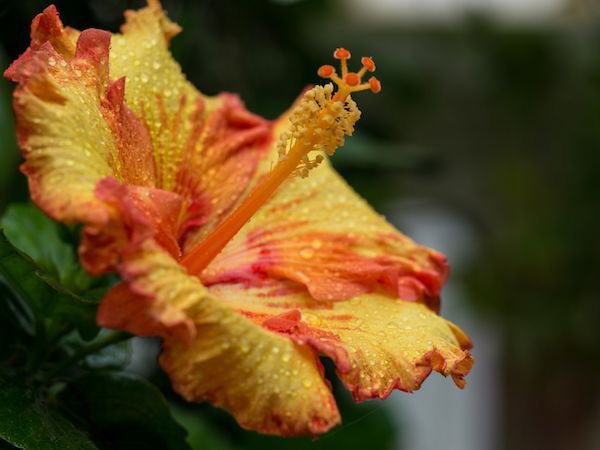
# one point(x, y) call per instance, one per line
point(237, 242)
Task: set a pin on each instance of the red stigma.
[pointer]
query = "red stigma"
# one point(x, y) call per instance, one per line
point(341, 53)
point(326, 71)
point(352, 79)
point(375, 85)
point(368, 63)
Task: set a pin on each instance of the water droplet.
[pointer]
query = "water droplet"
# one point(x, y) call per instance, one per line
point(307, 253)
point(312, 319)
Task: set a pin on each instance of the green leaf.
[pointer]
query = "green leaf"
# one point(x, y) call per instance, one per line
point(32, 232)
point(16, 331)
point(43, 296)
point(201, 433)
point(14, 315)
point(28, 422)
point(124, 411)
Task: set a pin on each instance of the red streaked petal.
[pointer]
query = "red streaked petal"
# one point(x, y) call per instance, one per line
point(377, 343)
point(47, 27)
point(62, 133)
point(206, 149)
point(137, 214)
point(319, 233)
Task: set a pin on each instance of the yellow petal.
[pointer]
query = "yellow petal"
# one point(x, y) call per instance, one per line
point(154, 84)
point(200, 143)
point(270, 383)
point(378, 343)
point(60, 126)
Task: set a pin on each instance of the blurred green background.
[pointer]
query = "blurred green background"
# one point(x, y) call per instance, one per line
point(487, 134)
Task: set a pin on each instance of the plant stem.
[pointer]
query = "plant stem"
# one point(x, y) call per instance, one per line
point(106, 341)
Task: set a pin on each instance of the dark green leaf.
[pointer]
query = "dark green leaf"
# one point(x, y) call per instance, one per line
point(124, 411)
point(14, 314)
point(16, 331)
point(28, 422)
point(43, 296)
point(201, 433)
point(36, 235)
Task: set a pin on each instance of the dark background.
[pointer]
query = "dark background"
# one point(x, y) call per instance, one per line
point(498, 124)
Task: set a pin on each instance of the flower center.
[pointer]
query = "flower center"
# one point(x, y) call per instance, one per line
point(318, 123)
